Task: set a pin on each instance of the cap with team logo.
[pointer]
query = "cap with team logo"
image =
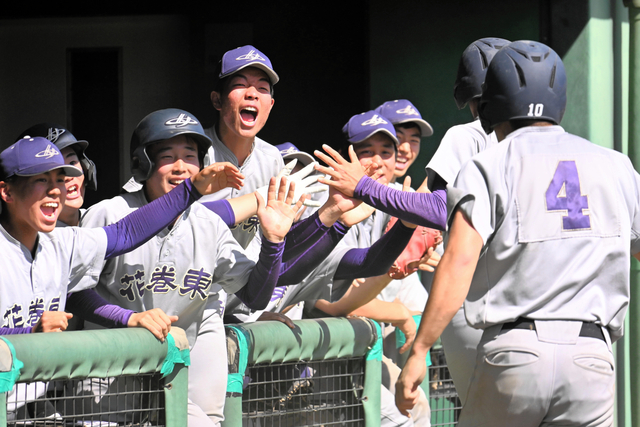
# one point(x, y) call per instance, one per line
point(290, 151)
point(362, 126)
point(33, 156)
point(246, 56)
point(403, 111)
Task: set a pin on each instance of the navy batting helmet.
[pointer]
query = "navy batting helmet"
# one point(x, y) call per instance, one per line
point(525, 80)
point(473, 67)
point(62, 138)
point(158, 126)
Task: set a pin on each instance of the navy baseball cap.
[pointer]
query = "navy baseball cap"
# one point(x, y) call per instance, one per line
point(403, 111)
point(290, 151)
point(246, 56)
point(362, 126)
point(33, 156)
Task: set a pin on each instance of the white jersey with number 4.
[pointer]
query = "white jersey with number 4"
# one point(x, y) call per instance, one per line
point(559, 217)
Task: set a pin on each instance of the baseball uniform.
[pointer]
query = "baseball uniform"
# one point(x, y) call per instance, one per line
point(263, 163)
point(180, 271)
point(459, 144)
point(558, 217)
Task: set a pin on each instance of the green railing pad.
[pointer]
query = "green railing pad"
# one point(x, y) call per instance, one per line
point(8, 379)
point(174, 355)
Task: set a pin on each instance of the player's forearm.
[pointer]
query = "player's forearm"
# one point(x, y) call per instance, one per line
point(359, 296)
point(142, 224)
point(90, 306)
point(264, 276)
point(377, 259)
point(426, 209)
point(16, 331)
point(223, 209)
point(383, 311)
point(297, 267)
point(302, 235)
point(450, 283)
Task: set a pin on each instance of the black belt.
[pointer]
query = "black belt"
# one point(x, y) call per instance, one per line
point(589, 329)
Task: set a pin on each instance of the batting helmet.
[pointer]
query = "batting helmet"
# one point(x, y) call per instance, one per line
point(63, 138)
point(525, 80)
point(473, 67)
point(158, 126)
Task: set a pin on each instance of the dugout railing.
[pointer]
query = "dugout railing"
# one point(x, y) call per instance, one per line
point(94, 378)
point(323, 372)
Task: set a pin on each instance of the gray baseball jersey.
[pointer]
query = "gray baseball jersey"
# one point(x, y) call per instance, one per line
point(180, 270)
point(557, 216)
point(67, 259)
point(264, 162)
point(458, 145)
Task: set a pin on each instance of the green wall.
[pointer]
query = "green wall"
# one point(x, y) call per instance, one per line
point(415, 48)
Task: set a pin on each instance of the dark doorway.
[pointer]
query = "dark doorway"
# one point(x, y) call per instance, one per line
point(94, 99)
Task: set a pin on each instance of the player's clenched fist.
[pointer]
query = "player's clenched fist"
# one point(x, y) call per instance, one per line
point(53, 321)
point(155, 320)
point(216, 177)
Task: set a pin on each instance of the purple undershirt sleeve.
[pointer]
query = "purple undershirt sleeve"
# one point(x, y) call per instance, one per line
point(264, 276)
point(89, 305)
point(223, 209)
point(302, 235)
point(299, 266)
point(142, 224)
point(15, 331)
point(426, 209)
point(377, 259)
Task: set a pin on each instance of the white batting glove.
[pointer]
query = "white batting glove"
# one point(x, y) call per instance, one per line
point(303, 183)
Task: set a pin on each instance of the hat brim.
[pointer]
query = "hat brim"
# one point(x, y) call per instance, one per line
point(359, 137)
point(304, 158)
point(425, 128)
point(48, 167)
point(273, 77)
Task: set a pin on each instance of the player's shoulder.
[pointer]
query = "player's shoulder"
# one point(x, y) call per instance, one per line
point(110, 210)
point(267, 150)
point(465, 131)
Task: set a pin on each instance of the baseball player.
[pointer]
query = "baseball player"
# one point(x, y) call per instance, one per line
point(190, 265)
point(44, 263)
point(459, 144)
point(542, 227)
point(73, 151)
point(410, 128)
point(243, 98)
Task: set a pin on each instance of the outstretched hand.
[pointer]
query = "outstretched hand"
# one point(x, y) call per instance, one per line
point(155, 320)
point(344, 174)
point(216, 177)
point(279, 212)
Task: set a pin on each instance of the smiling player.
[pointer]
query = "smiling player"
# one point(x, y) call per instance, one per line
point(243, 98)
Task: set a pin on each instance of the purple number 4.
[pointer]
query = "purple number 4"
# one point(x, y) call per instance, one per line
point(572, 200)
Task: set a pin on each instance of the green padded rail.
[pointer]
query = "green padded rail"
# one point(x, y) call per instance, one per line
point(99, 353)
point(327, 338)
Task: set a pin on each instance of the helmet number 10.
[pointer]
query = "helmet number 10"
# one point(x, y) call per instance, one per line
point(535, 110)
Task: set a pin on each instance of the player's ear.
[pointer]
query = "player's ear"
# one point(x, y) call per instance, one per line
point(216, 100)
point(5, 192)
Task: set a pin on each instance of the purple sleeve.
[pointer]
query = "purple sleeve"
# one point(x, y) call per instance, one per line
point(299, 266)
point(377, 259)
point(302, 235)
point(89, 305)
point(264, 276)
point(223, 209)
point(426, 209)
point(15, 331)
point(142, 224)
